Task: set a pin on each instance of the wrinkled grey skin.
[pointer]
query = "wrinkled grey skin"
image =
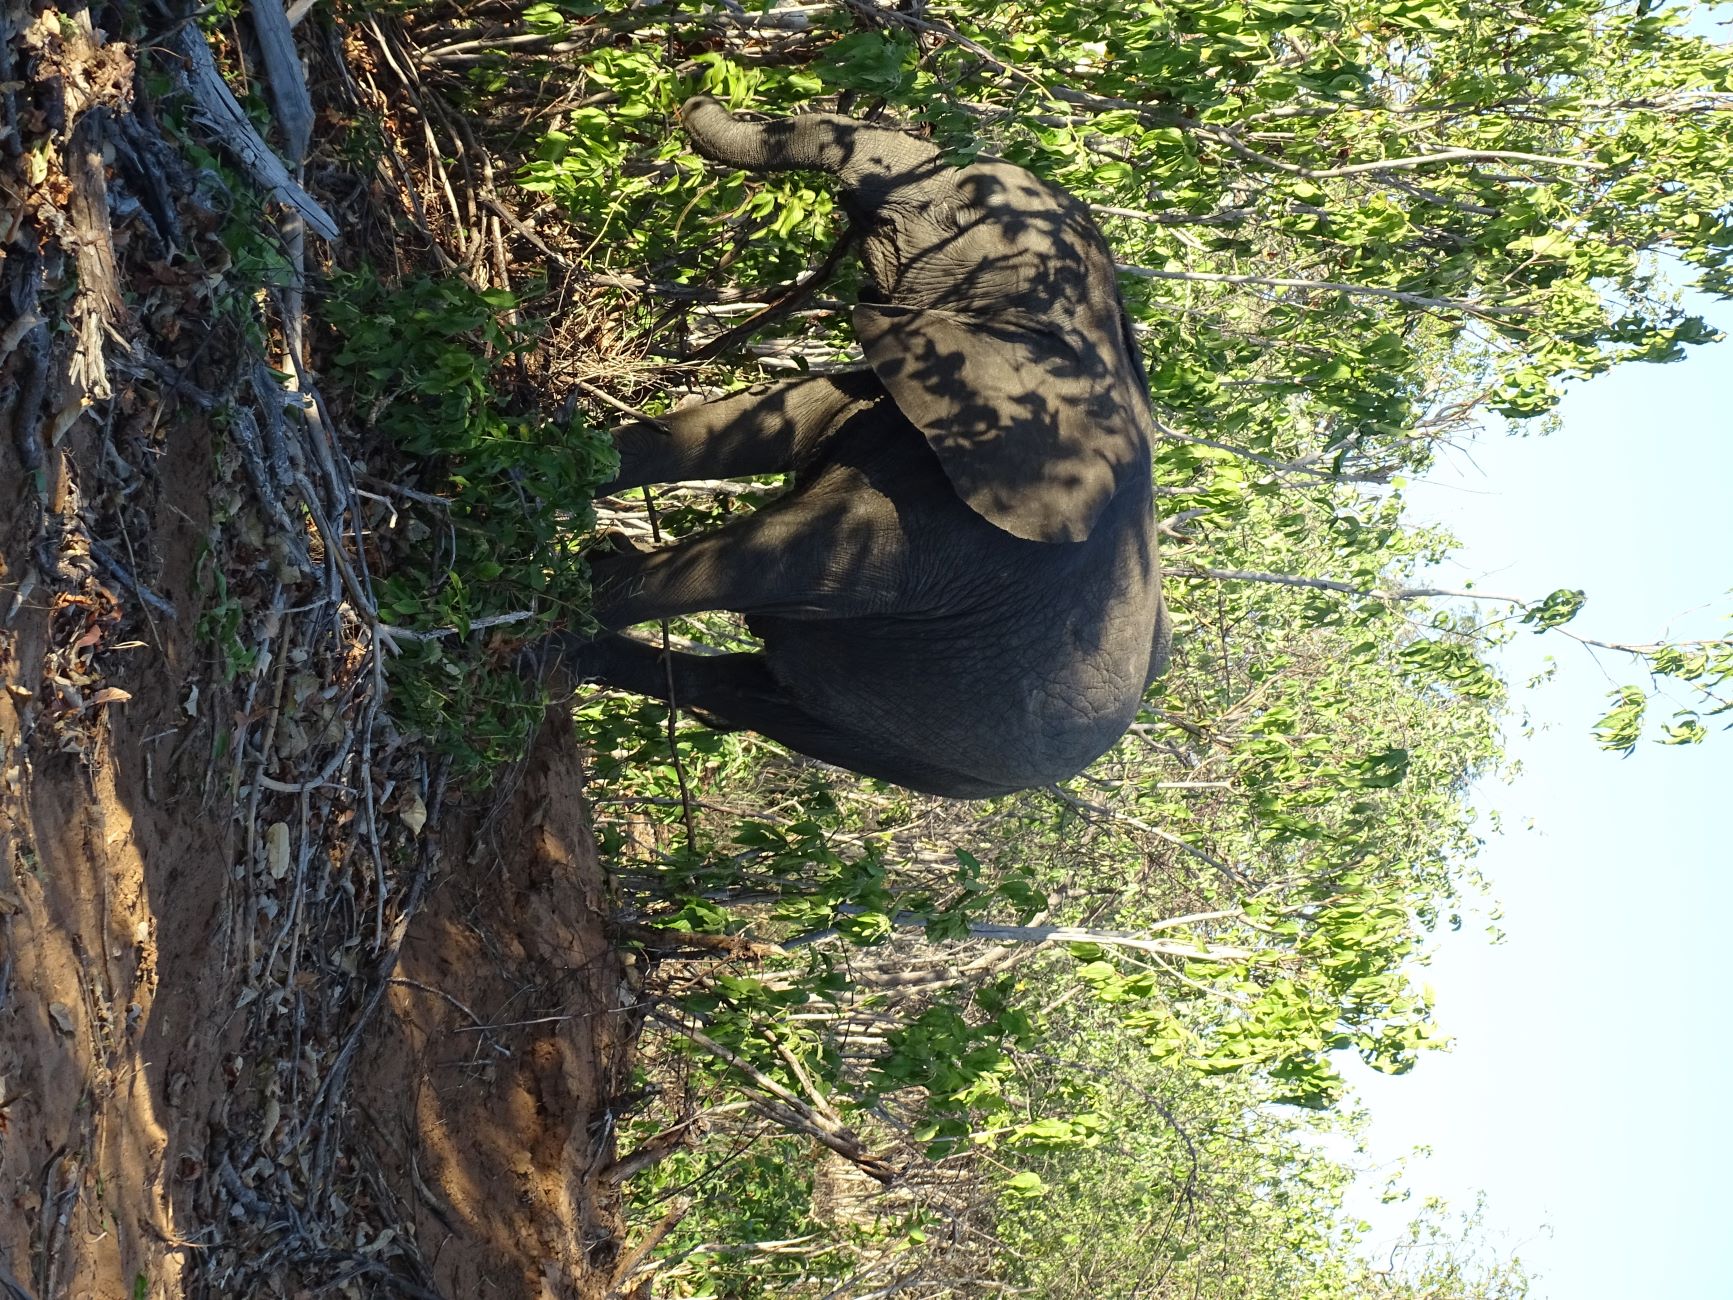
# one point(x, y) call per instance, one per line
point(960, 594)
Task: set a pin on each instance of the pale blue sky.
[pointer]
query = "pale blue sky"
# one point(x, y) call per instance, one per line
point(1590, 1085)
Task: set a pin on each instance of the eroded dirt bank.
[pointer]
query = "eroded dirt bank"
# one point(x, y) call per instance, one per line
point(440, 1122)
point(282, 1010)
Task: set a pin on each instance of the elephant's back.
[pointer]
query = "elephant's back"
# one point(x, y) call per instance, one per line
point(1018, 666)
point(995, 719)
point(1008, 663)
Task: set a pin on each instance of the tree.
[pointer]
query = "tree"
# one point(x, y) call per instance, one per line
point(1349, 236)
point(890, 1043)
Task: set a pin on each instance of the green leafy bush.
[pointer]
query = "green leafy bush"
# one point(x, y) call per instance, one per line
point(511, 499)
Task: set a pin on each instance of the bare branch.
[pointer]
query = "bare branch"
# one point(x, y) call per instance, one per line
point(1346, 588)
point(1280, 466)
point(216, 106)
point(1333, 286)
point(1431, 159)
point(793, 1112)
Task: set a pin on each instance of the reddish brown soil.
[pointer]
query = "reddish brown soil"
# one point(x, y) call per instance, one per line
point(281, 1014)
point(494, 1114)
point(125, 1060)
point(113, 883)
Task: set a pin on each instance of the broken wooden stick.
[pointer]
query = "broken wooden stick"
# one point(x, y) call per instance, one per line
point(288, 86)
point(217, 109)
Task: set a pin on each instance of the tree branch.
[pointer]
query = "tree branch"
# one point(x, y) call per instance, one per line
point(1334, 286)
point(1427, 160)
point(792, 1112)
point(1086, 807)
point(1346, 588)
point(1380, 476)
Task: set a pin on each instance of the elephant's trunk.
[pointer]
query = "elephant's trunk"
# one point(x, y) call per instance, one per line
point(870, 161)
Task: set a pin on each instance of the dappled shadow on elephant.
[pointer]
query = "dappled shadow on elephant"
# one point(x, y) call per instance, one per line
point(961, 592)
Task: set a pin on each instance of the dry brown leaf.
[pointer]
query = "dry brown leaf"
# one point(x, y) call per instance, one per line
point(414, 813)
point(277, 849)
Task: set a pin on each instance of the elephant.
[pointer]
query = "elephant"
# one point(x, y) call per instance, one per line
point(960, 592)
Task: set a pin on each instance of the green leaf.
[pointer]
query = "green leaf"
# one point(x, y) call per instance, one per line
point(1555, 611)
point(1622, 726)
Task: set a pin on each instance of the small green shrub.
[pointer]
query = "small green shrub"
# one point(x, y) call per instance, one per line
point(419, 362)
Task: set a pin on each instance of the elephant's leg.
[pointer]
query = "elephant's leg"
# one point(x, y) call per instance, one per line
point(841, 554)
point(736, 692)
point(765, 429)
point(730, 692)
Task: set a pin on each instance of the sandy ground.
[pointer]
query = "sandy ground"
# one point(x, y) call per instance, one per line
point(474, 1119)
point(282, 1012)
point(491, 1081)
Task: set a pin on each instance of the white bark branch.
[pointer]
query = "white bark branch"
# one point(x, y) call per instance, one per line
point(283, 77)
point(1333, 286)
point(1335, 584)
point(216, 107)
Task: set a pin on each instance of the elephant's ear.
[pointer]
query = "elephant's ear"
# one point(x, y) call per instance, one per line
point(1034, 429)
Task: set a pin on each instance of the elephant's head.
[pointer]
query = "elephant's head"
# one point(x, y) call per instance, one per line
point(994, 318)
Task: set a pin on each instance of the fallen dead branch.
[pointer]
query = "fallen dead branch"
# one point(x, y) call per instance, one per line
point(792, 1112)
